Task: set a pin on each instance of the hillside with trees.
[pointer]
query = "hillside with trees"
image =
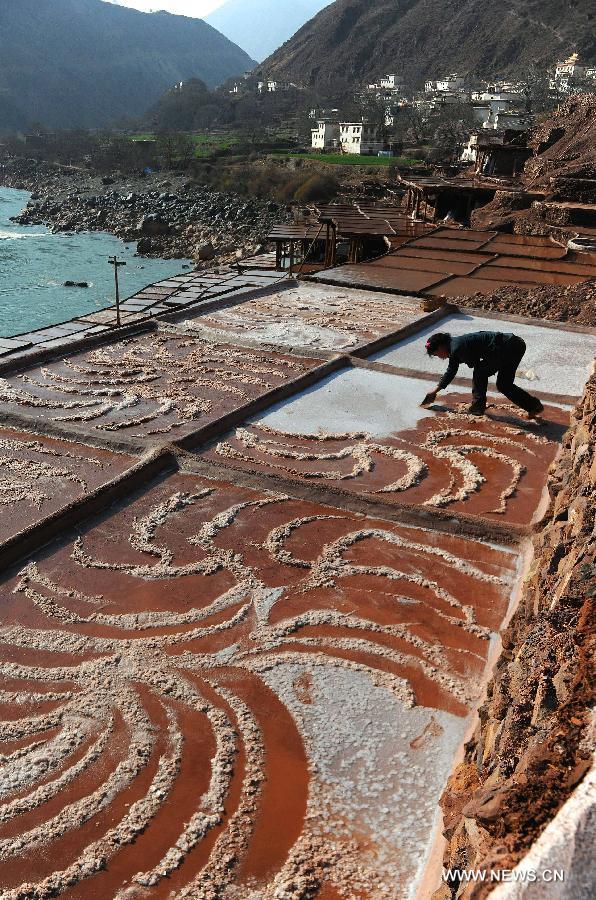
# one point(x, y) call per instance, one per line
point(353, 41)
point(85, 63)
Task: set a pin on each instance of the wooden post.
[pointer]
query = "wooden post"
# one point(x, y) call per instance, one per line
point(330, 241)
point(417, 205)
point(114, 261)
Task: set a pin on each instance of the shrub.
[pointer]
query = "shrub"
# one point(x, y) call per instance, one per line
point(317, 187)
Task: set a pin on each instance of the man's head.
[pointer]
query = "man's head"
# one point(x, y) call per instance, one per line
point(439, 344)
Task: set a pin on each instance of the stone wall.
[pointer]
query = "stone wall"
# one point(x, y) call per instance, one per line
point(531, 746)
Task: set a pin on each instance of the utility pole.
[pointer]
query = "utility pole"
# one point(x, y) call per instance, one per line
point(114, 261)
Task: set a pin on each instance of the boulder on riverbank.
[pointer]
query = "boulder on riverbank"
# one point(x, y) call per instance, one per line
point(169, 218)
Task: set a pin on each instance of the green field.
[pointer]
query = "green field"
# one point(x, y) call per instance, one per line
point(205, 144)
point(347, 159)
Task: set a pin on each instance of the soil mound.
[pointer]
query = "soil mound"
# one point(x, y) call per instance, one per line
point(575, 303)
point(564, 144)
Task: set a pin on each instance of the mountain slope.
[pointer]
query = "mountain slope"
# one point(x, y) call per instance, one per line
point(261, 26)
point(70, 63)
point(354, 40)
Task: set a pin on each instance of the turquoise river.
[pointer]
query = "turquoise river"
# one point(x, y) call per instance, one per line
point(34, 264)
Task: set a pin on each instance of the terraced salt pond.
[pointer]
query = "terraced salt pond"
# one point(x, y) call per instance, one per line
point(246, 668)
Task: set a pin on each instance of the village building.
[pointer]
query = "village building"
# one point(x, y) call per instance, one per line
point(495, 119)
point(570, 68)
point(509, 120)
point(325, 136)
point(270, 86)
point(496, 100)
point(388, 84)
point(503, 90)
point(392, 82)
point(446, 84)
point(361, 138)
point(571, 71)
point(502, 159)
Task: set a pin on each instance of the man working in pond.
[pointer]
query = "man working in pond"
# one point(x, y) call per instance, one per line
point(487, 353)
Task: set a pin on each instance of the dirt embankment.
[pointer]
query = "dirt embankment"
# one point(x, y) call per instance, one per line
point(575, 303)
point(563, 167)
point(564, 144)
point(532, 745)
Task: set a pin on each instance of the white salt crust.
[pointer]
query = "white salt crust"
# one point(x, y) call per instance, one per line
point(377, 770)
point(311, 316)
point(153, 379)
point(90, 697)
point(25, 479)
point(279, 450)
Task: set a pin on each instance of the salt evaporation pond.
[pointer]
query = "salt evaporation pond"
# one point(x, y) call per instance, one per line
point(34, 264)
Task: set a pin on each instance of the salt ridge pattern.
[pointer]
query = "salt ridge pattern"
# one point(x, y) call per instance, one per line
point(164, 381)
point(440, 445)
point(184, 660)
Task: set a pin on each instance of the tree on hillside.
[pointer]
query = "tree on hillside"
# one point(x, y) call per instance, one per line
point(452, 124)
point(175, 149)
point(538, 95)
point(179, 108)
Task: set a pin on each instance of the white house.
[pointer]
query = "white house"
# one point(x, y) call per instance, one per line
point(514, 121)
point(388, 83)
point(497, 100)
point(360, 138)
point(503, 89)
point(271, 87)
point(392, 82)
point(470, 151)
point(570, 68)
point(450, 83)
point(325, 136)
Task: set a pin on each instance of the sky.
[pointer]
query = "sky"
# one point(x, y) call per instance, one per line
point(195, 8)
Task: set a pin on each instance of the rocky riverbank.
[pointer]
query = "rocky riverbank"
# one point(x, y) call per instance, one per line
point(164, 213)
point(533, 744)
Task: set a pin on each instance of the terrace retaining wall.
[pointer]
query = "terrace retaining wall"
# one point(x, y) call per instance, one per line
point(532, 743)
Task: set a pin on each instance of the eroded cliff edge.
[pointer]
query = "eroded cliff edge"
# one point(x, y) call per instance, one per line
point(532, 744)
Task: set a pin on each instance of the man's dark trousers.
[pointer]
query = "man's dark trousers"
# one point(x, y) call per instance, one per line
point(512, 352)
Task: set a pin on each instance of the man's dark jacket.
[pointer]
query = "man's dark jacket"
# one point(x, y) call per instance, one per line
point(488, 349)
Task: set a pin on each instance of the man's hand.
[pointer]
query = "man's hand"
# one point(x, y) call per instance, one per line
point(430, 398)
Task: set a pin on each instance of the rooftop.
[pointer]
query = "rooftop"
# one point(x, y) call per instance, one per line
point(452, 262)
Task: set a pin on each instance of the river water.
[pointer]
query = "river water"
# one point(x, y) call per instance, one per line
point(34, 264)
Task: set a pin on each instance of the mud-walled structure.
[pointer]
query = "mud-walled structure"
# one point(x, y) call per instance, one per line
point(251, 596)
